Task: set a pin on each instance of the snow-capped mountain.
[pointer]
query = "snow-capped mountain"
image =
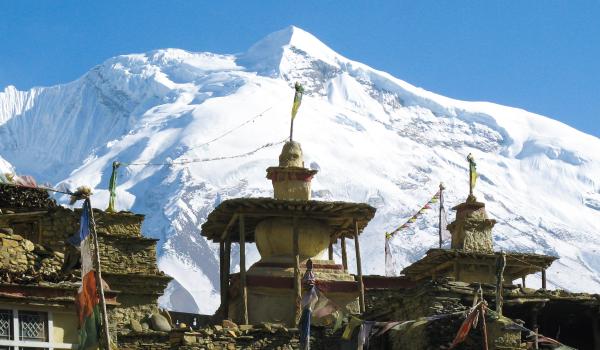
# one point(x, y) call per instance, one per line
point(373, 137)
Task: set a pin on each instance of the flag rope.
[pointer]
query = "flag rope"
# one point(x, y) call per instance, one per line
point(202, 160)
point(434, 199)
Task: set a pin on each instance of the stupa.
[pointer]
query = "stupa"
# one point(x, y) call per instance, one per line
point(471, 257)
point(288, 230)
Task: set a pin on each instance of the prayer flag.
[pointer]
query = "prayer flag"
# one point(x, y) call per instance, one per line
point(472, 171)
point(87, 297)
point(390, 264)
point(352, 324)
point(297, 99)
point(305, 329)
point(465, 327)
point(112, 188)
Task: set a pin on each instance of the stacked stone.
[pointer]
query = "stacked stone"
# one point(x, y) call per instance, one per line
point(29, 198)
point(21, 260)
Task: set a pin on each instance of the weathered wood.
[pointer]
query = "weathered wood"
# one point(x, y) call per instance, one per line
point(226, 272)
point(359, 268)
point(523, 281)
point(244, 290)
point(544, 279)
point(222, 272)
point(226, 231)
point(330, 251)
point(297, 277)
point(99, 285)
point(500, 265)
point(344, 254)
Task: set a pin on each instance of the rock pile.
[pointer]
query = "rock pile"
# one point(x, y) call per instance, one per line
point(27, 198)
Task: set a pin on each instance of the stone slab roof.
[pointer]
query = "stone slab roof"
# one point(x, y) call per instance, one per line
point(338, 215)
point(440, 259)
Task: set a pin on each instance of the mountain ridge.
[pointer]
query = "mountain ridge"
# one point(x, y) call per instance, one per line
point(374, 137)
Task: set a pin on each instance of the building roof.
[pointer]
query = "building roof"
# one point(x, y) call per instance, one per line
point(338, 215)
point(438, 260)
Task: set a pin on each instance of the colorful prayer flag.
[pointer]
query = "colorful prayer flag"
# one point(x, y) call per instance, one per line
point(297, 99)
point(112, 188)
point(87, 298)
point(465, 327)
point(390, 264)
point(472, 171)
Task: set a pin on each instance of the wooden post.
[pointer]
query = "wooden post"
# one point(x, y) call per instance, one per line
point(226, 271)
point(359, 268)
point(484, 326)
point(523, 281)
point(344, 254)
point(244, 290)
point(544, 279)
point(330, 256)
point(222, 272)
point(500, 266)
point(99, 274)
point(297, 277)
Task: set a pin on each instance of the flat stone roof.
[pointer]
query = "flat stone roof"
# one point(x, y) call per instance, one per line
point(338, 215)
point(516, 263)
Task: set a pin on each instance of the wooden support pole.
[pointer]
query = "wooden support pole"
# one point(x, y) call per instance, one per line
point(99, 285)
point(359, 268)
point(244, 290)
point(523, 281)
point(484, 326)
point(330, 252)
point(222, 286)
point(500, 266)
point(226, 272)
point(544, 279)
point(344, 254)
point(297, 277)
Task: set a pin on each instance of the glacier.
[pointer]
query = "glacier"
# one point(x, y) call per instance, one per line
point(373, 137)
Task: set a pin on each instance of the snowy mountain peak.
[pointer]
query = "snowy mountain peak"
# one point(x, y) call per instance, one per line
point(280, 52)
point(374, 137)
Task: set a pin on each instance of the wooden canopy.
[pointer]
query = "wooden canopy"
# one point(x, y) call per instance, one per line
point(340, 216)
point(437, 261)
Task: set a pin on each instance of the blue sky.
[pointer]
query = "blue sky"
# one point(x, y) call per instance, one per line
point(543, 56)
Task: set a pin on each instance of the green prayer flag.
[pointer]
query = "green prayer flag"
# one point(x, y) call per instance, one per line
point(472, 171)
point(112, 188)
point(297, 99)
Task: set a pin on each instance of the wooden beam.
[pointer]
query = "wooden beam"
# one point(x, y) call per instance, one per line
point(244, 293)
point(523, 281)
point(225, 233)
point(297, 277)
point(544, 279)
point(361, 284)
point(226, 272)
point(344, 254)
point(438, 270)
point(330, 251)
point(222, 273)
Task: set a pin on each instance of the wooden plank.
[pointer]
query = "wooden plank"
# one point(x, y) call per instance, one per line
point(344, 254)
point(544, 279)
point(359, 268)
point(229, 224)
point(222, 272)
point(297, 277)
point(244, 293)
point(226, 272)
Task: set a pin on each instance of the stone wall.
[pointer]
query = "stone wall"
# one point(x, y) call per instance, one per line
point(38, 248)
point(21, 259)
